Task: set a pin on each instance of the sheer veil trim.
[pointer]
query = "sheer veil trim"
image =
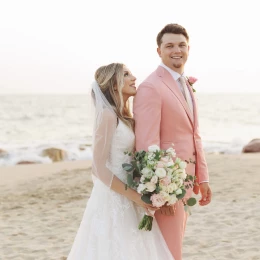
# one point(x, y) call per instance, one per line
point(100, 102)
point(105, 123)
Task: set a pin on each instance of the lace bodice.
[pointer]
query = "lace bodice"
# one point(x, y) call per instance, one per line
point(123, 141)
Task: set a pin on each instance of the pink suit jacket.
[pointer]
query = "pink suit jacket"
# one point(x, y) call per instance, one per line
point(162, 117)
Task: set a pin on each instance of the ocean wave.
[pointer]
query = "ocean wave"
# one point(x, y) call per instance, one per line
point(79, 150)
point(13, 155)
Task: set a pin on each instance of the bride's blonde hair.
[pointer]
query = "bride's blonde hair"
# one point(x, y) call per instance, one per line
point(110, 79)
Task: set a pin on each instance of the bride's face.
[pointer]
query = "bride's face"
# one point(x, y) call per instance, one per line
point(129, 88)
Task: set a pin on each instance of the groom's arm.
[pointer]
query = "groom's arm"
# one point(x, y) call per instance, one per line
point(147, 115)
point(201, 172)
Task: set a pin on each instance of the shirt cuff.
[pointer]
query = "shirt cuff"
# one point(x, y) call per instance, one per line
point(203, 182)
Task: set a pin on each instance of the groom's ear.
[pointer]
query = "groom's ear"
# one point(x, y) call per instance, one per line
point(159, 51)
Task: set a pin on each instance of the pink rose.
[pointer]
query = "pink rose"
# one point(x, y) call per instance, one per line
point(165, 181)
point(160, 165)
point(164, 159)
point(192, 80)
point(157, 200)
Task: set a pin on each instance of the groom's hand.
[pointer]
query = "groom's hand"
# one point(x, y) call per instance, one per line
point(206, 194)
point(168, 210)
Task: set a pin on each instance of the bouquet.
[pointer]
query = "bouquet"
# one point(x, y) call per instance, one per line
point(159, 178)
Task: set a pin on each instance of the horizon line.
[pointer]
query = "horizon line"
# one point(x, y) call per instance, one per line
point(84, 93)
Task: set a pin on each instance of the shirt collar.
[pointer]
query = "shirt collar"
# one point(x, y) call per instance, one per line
point(174, 74)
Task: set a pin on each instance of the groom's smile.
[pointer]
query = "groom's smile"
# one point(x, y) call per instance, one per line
point(176, 58)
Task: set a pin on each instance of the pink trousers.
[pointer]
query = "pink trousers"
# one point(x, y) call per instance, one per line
point(172, 228)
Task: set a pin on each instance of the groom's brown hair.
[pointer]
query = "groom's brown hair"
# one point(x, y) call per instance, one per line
point(172, 28)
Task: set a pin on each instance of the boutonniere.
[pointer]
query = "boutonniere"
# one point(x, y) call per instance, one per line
point(191, 81)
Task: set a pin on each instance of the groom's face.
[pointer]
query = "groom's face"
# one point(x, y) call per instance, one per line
point(174, 51)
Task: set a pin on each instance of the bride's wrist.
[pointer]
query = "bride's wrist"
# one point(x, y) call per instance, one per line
point(134, 196)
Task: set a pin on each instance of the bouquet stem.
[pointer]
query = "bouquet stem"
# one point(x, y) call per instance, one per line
point(146, 223)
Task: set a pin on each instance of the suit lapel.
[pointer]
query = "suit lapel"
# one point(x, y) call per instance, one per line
point(172, 85)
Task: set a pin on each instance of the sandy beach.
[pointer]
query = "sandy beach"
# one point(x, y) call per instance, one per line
point(41, 207)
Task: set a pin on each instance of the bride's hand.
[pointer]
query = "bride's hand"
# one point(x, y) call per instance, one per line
point(148, 207)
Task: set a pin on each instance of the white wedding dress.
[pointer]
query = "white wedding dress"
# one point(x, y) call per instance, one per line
point(109, 228)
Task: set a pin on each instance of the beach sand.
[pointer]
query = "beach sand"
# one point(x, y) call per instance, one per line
point(41, 207)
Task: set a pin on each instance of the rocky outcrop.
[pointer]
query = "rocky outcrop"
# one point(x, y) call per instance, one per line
point(26, 162)
point(252, 147)
point(83, 147)
point(3, 153)
point(55, 154)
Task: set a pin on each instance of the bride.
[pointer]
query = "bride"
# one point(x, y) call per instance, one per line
point(109, 228)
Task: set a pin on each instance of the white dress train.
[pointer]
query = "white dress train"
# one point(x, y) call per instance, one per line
point(109, 228)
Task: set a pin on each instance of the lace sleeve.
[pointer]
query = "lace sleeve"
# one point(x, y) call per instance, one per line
point(103, 135)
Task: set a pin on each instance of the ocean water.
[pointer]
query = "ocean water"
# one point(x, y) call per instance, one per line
point(31, 123)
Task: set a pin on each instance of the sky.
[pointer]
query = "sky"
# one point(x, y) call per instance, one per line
point(55, 46)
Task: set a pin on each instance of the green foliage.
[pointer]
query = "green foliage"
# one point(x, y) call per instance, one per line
point(127, 167)
point(158, 189)
point(146, 223)
point(136, 174)
point(130, 181)
point(136, 166)
point(157, 155)
point(187, 209)
point(146, 198)
point(180, 196)
point(191, 202)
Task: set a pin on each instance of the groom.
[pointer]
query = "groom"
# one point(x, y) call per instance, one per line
point(165, 112)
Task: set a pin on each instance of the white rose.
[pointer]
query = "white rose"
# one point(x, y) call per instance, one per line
point(165, 195)
point(173, 199)
point(163, 188)
point(154, 179)
point(178, 160)
point(169, 164)
point(151, 156)
point(142, 179)
point(179, 191)
point(140, 188)
point(179, 182)
point(169, 172)
point(183, 174)
point(183, 165)
point(171, 151)
point(151, 163)
point(172, 187)
point(179, 171)
point(146, 172)
point(150, 186)
point(153, 148)
point(160, 172)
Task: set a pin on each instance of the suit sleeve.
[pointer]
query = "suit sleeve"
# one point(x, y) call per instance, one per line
point(147, 115)
point(201, 165)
